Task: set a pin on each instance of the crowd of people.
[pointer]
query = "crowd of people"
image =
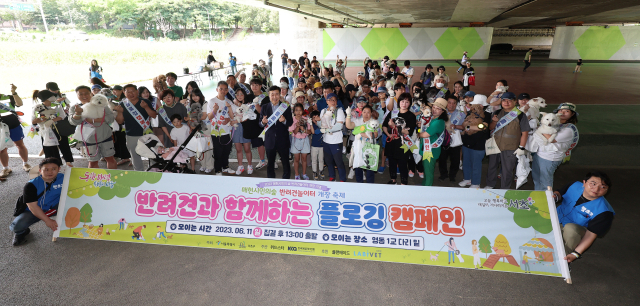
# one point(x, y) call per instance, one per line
point(308, 117)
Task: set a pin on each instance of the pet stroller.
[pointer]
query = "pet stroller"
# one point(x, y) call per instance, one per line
point(151, 147)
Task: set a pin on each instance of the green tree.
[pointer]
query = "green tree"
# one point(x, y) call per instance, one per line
point(534, 215)
point(85, 213)
point(485, 246)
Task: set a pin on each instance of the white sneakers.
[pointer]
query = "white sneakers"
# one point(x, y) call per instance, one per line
point(465, 183)
point(474, 186)
point(352, 173)
point(240, 170)
point(249, 170)
point(228, 170)
point(261, 165)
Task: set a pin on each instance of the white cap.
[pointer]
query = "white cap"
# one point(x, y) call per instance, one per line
point(480, 99)
point(284, 85)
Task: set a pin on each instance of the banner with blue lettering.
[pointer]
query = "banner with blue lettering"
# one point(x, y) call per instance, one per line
point(500, 230)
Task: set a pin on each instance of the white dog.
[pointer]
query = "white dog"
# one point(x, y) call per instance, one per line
point(47, 113)
point(95, 108)
point(327, 117)
point(535, 105)
point(358, 143)
point(549, 124)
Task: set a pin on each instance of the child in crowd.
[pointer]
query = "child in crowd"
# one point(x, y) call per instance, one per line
point(300, 147)
point(179, 134)
point(317, 153)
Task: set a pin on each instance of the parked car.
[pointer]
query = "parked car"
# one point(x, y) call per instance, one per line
point(76, 35)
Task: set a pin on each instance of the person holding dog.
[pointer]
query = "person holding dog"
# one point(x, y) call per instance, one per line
point(50, 145)
point(548, 156)
point(41, 196)
point(510, 134)
point(352, 123)
point(9, 116)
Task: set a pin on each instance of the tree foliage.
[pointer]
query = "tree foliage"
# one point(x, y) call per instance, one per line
point(485, 245)
point(501, 243)
point(72, 219)
point(85, 213)
point(165, 15)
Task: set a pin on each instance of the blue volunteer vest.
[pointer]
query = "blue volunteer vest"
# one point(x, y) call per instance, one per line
point(52, 197)
point(583, 213)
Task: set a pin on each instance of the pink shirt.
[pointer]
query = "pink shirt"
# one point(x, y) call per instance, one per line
point(300, 135)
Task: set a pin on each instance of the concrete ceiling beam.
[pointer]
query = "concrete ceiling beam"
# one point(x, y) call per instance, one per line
point(297, 11)
point(316, 2)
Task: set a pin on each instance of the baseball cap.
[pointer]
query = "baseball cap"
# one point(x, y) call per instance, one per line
point(361, 99)
point(284, 85)
point(469, 94)
point(566, 105)
point(316, 85)
point(96, 86)
point(299, 94)
point(524, 96)
point(332, 95)
point(302, 80)
point(360, 73)
point(117, 87)
point(382, 89)
point(509, 95)
point(43, 95)
point(52, 86)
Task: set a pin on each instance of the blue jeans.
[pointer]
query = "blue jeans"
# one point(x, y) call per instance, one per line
point(22, 222)
point(360, 175)
point(452, 254)
point(333, 157)
point(542, 172)
point(472, 165)
point(234, 70)
point(291, 83)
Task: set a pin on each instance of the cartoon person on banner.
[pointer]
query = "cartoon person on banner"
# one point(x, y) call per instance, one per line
point(123, 224)
point(525, 263)
point(137, 233)
point(452, 248)
point(476, 254)
point(160, 233)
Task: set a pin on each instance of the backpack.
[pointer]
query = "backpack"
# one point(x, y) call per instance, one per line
point(447, 140)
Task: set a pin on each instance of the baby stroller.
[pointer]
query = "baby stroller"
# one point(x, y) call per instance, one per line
point(151, 147)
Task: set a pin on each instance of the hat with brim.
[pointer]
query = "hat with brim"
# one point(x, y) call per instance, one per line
point(381, 89)
point(470, 94)
point(117, 87)
point(479, 99)
point(96, 86)
point(360, 73)
point(332, 95)
point(441, 103)
point(44, 95)
point(316, 85)
point(361, 100)
point(508, 95)
point(566, 105)
point(299, 94)
point(284, 85)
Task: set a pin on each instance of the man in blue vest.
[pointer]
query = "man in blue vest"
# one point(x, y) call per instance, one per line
point(41, 195)
point(584, 213)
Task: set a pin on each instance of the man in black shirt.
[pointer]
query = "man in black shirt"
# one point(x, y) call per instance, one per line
point(584, 213)
point(302, 58)
point(284, 58)
point(210, 59)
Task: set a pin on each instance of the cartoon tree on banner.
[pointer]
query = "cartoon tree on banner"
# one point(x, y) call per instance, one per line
point(72, 218)
point(501, 245)
point(531, 209)
point(485, 246)
point(120, 180)
point(85, 213)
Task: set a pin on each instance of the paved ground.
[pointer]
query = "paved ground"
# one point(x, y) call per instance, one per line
point(84, 272)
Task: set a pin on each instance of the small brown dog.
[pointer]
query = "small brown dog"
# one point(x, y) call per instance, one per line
point(160, 84)
point(475, 117)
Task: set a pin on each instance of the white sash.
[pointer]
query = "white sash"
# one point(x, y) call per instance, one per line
point(232, 92)
point(163, 115)
point(246, 90)
point(574, 141)
point(504, 121)
point(133, 111)
point(456, 118)
point(273, 118)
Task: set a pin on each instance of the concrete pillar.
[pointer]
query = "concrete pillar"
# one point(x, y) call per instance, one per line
point(299, 34)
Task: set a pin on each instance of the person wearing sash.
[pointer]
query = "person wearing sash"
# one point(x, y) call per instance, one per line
point(9, 117)
point(233, 86)
point(170, 107)
point(394, 149)
point(41, 196)
point(584, 213)
point(473, 141)
point(430, 151)
point(332, 137)
point(220, 115)
point(276, 138)
point(171, 82)
point(549, 156)
point(456, 117)
point(510, 128)
point(134, 113)
point(352, 123)
point(251, 128)
point(51, 147)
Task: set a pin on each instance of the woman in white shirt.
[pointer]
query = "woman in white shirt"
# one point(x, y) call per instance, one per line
point(548, 156)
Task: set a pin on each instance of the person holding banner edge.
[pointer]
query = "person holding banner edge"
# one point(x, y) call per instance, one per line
point(40, 198)
point(276, 132)
point(584, 213)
